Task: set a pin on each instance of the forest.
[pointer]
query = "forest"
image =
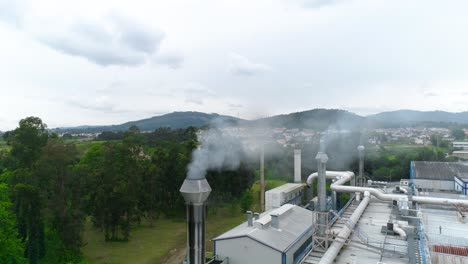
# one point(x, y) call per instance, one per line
point(49, 187)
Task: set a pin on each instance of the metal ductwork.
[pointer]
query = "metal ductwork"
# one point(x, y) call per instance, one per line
point(344, 233)
point(345, 176)
point(195, 193)
point(330, 175)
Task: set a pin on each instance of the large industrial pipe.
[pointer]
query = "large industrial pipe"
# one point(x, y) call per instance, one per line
point(346, 176)
point(344, 233)
point(195, 193)
point(330, 175)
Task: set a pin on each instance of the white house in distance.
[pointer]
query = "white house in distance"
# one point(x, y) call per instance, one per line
point(279, 236)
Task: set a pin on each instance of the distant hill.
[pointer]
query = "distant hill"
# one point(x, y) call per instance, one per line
point(412, 117)
point(319, 119)
point(172, 120)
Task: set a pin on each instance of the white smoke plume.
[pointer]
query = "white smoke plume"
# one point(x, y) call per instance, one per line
point(216, 151)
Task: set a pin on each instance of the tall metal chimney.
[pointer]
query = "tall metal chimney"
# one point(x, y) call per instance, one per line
point(262, 178)
point(322, 159)
point(297, 166)
point(195, 193)
point(360, 149)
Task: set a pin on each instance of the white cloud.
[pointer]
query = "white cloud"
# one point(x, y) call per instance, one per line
point(171, 60)
point(112, 41)
point(365, 55)
point(240, 65)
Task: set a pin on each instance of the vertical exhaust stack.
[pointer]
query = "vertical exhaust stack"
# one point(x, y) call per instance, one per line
point(195, 193)
point(297, 166)
point(262, 178)
point(322, 159)
point(360, 149)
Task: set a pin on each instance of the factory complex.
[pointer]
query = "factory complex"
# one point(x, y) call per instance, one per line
point(423, 219)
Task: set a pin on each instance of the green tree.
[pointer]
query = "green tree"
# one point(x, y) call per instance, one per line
point(27, 140)
point(61, 191)
point(458, 133)
point(30, 225)
point(11, 248)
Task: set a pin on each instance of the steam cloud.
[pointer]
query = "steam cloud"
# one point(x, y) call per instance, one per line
point(217, 151)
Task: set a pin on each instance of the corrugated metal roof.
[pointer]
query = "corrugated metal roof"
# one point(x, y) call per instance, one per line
point(294, 222)
point(433, 170)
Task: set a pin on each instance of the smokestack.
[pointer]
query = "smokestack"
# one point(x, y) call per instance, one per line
point(262, 178)
point(322, 159)
point(360, 149)
point(195, 193)
point(297, 166)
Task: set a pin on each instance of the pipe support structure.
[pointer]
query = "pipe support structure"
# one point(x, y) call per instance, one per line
point(344, 233)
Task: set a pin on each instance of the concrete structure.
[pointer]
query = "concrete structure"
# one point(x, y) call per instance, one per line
point(279, 236)
point(297, 166)
point(289, 193)
point(429, 175)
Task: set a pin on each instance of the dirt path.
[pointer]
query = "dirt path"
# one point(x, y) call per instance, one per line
point(175, 256)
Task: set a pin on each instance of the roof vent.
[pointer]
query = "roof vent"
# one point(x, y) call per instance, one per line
point(249, 218)
point(275, 220)
point(256, 216)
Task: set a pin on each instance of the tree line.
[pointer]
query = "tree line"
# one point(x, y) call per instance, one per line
point(48, 191)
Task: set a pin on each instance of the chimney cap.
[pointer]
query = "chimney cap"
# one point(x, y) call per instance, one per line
point(195, 191)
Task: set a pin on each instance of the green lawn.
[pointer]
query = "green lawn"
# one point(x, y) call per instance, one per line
point(149, 245)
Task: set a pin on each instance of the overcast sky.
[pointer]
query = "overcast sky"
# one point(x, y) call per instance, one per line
point(107, 62)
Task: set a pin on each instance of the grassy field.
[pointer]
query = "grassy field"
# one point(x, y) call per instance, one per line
point(167, 238)
point(150, 245)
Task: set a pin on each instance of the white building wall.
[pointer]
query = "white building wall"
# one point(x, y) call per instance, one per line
point(244, 250)
point(293, 249)
point(434, 184)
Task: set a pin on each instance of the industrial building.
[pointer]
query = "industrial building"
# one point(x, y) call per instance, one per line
point(432, 175)
point(289, 193)
point(282, 235)
point(421, 220)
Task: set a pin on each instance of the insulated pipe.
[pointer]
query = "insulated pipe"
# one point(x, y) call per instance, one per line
point(330, 175)
point(346, 176)
point(344, 233)
point(399, 231)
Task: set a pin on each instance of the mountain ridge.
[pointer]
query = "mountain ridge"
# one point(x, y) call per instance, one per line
point(319, 119)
